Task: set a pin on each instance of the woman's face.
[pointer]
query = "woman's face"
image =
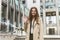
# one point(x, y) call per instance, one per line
point(33, 12)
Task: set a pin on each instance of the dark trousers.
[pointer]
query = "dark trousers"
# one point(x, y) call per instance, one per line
point(31, 37)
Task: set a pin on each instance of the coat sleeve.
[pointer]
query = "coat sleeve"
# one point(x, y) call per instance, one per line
point(25, 27)
point(41, 29)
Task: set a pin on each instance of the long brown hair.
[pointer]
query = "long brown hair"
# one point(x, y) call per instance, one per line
point(36, 16)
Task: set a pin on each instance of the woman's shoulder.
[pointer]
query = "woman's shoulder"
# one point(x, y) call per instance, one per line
point(39, 18)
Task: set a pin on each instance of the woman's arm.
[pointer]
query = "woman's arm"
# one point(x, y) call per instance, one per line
point(25, 27)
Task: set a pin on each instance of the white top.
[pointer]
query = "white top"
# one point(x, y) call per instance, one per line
point(32, 28)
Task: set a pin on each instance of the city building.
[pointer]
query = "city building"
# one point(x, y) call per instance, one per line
point(11, 15)
point(50, 12)
point(13, 12)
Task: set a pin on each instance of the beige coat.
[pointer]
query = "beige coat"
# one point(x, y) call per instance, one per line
point(37, 32)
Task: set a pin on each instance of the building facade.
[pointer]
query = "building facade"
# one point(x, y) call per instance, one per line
point(10, 19)
point(50, 13)
point(13, 11)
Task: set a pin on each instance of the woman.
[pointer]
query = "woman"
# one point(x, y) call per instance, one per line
point(33, 26)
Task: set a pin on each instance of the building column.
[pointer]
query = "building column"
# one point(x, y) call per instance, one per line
point(7, 15)
point(14, 14)
point(57, 16)
point(18, 29)
point(44, 22)
point(0, 12)
point(44, 18)
point(57, 20)
point(19, 14)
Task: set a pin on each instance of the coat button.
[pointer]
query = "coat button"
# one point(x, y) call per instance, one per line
point(38, 34)
point(38, 37)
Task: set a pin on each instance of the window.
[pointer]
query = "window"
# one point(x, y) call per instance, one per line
point(50, 17)
point(23, 2)
point(3, 19)
point(47, 7)
point(3, 27)
point(59, 18)
point(16, 19)
point(21, 20)
point(40, 0)
point(51, 6)
point(51, 22)
point(3, 12)
point(34, 1)
point(51, 31)
point(11, 16)
point(41, 6)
